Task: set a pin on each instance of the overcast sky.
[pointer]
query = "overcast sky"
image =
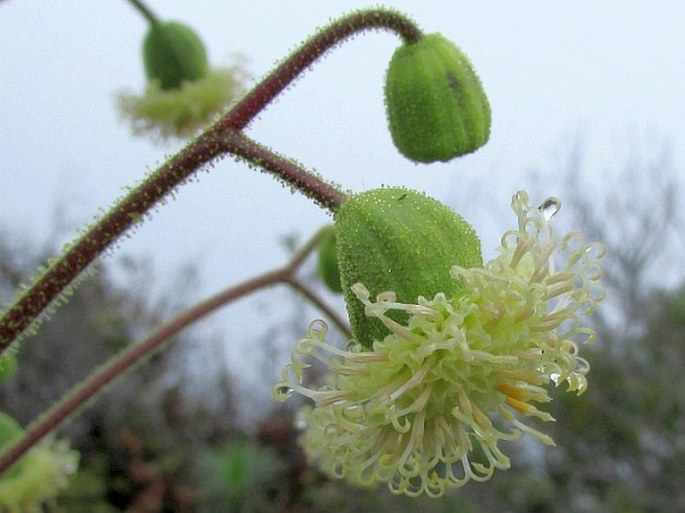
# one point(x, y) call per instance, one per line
point(609, 72)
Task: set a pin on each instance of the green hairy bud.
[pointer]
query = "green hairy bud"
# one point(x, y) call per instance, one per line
point(436, 106)
point(403, 241)
point(173, 53)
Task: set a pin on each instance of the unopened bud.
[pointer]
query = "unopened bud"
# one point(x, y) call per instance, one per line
point(173, 53)
point(436, 106)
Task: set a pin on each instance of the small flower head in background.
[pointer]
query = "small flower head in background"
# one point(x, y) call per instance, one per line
point(183, 93)
point(426, 408)
point(38, 477)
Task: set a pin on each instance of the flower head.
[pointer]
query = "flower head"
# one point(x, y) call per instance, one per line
point(426, 408)
point(183, 93)
point(38, 477)
point(180, 111)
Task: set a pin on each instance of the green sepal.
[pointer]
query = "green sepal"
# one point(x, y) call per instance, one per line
point(173, 53)
point(435, 103)
point(328, 262)
point(403, 241)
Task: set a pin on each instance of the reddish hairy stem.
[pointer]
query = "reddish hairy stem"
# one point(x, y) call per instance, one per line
point(318, 302)
point(311, 50)
point(32, 302)
point(100, 236)
point(323, 193)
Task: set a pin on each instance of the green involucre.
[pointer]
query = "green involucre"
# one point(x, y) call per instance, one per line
point(436, 106)
point(172, 54)
point(403, 241)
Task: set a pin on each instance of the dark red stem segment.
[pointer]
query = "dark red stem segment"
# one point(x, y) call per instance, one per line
point(310, 51)
point(286, 170)
point(101, 235)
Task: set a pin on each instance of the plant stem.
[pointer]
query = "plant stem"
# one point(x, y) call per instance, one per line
point(145, 11)
point(281, 77)
point(316, 300)
point(76, 259)
point(126, 360)
point(286, 170)
point(24, 312)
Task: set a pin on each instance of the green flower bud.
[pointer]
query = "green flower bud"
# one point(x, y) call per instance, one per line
point(173, 53)
point(8, 365)
point(328, 262)
point(403, 241)
point(436, 106)
point(183, 93)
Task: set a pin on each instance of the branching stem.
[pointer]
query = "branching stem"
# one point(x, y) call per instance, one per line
point(123, 362)
point(288, 171)
point(220, 138)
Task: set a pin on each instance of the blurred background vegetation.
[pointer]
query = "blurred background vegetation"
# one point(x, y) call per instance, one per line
point(168, 438)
